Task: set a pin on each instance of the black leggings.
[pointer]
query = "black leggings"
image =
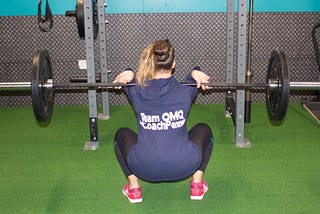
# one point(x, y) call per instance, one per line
point(200, 134)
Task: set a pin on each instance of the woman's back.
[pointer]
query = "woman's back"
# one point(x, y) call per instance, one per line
point(162, 108)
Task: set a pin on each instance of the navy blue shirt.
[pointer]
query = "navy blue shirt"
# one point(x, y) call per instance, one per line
point(163, 151)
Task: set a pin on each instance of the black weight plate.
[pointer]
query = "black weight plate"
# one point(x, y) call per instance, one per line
point(277, 95)
point(42, 92)
point(80, 19)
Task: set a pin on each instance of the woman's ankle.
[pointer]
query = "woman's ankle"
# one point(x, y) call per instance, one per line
point(133, 181)
point(197, 176)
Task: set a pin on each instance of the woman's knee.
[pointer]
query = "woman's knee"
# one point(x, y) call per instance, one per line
point(121, 131)
point(204, 128)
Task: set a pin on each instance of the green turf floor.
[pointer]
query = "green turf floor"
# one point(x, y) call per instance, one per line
point(45, 170)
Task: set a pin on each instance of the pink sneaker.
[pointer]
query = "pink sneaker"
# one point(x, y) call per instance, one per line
point(197, 190)
point(134, 195)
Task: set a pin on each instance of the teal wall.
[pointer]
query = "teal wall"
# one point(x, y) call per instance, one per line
point(29, 7)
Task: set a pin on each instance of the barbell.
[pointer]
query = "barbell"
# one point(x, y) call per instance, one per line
point(42, 86)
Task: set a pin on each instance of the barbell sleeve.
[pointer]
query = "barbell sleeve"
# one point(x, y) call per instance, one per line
point(15, 86)
point(304, 85)
point(82, 79)
point(70, 13)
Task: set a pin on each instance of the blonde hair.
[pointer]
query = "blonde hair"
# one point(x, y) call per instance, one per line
point(157, 56)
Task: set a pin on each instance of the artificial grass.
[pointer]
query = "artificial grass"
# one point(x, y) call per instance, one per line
point(45, 170)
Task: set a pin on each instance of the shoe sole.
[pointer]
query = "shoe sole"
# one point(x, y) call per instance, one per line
point(199, 197)
point(132, 201)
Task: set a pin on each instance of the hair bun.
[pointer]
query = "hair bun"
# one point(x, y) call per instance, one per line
point(161, 54)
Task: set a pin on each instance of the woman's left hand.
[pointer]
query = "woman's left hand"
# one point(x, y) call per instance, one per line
point(124, 77)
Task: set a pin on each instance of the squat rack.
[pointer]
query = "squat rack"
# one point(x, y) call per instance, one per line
point(236, 109)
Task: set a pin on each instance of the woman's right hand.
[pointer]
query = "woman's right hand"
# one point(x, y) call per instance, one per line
point(124, 78)
point(200, 78)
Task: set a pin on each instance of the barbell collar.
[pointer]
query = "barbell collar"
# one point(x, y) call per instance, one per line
point(48, 84)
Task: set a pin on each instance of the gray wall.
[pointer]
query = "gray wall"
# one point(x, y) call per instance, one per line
point(199, 39)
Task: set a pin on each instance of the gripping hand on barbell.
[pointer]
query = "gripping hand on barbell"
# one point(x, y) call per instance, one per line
point(124, 77)
point(201, 78)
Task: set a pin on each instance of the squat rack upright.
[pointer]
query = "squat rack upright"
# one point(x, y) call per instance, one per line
point(93, 144)
point(239, 110)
